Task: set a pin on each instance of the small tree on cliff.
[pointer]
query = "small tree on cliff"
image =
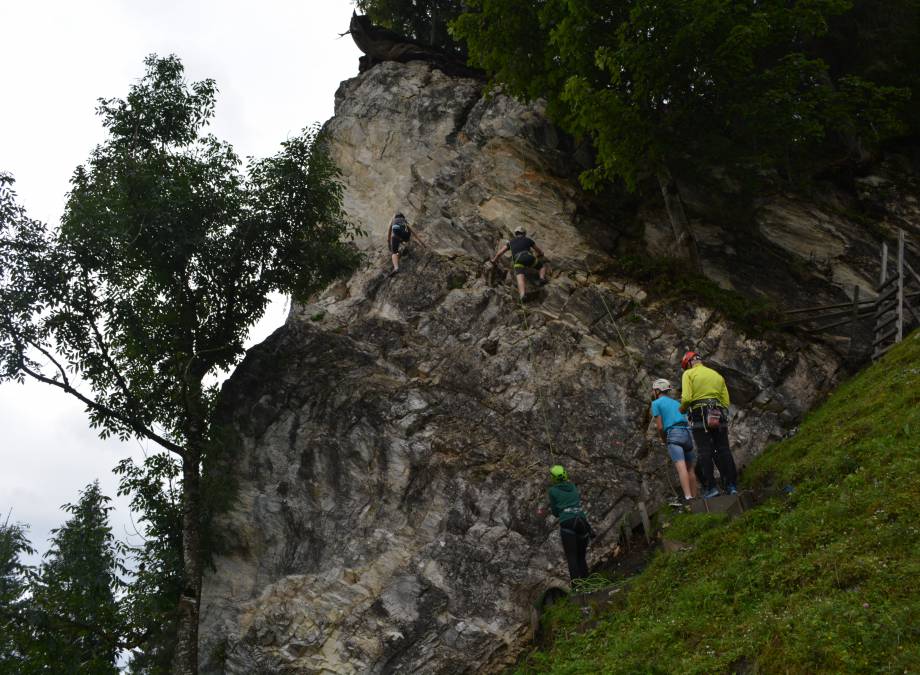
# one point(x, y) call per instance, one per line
point(665, 89)
point(423, 20)
point(164, 258)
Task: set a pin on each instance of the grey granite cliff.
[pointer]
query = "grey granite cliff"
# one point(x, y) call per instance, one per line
point(395, 434)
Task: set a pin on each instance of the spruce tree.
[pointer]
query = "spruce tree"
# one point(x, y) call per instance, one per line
point(14, 584)
point(77, 622)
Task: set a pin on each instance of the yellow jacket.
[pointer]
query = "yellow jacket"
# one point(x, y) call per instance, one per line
point(700, 383)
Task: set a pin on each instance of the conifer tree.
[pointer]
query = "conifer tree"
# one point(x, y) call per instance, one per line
point(14, 583)
point(77, 623)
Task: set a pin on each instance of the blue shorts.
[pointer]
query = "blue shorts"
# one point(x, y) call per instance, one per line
point(680, 445)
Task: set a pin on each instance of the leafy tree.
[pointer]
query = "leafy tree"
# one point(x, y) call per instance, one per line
point(164, 258)
point(881, 44)
point(678, 88)
point(423, 20)
point(77, 621)
point(14, 581)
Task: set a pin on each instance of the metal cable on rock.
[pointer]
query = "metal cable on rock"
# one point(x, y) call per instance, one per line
point(549, 438)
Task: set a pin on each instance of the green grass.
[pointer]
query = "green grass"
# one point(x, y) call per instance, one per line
point(825, 579)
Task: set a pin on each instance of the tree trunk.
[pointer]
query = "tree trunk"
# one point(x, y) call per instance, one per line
point(683, 234)
point(435, 32)
point(185, 658)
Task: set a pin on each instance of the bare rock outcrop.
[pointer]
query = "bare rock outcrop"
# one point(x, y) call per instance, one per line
point(394, 435)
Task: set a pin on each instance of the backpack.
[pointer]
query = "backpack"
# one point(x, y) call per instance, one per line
point(401, 229)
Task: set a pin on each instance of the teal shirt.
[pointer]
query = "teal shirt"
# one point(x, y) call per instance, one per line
point(668, 410)
point(565, 501)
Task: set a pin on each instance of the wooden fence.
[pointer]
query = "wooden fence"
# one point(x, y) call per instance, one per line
point(892, 311)
point(894, 306)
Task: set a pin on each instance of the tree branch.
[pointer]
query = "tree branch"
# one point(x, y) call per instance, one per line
point(130, 400)
point(65, 386)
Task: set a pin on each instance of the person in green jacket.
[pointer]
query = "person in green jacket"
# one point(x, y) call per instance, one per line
point(565, 503)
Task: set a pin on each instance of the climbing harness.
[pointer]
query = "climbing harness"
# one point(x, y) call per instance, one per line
point(712, 413)
point(525, 260)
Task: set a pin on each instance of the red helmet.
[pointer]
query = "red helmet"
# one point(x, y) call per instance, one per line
point(688, 357)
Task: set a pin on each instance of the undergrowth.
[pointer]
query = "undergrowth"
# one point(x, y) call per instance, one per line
point(823, 579)
point(669, 279)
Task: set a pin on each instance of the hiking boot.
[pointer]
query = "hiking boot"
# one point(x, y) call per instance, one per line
point(542, 282)
point(394, 272)
point(712, 492)
point(732, 490)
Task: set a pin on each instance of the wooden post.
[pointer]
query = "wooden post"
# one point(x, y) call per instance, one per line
point(884, 274)
point(900, 273)
point(643, 511)
point(854, 317)
point(877, 350)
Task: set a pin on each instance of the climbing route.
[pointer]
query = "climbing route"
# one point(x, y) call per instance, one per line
point(533, 366)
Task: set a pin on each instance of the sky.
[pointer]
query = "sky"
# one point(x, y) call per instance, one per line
point(277, 64)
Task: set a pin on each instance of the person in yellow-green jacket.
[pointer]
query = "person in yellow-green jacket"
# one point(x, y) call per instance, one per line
point(704, 397)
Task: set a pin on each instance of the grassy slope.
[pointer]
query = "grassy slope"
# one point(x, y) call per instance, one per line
point(826, 579)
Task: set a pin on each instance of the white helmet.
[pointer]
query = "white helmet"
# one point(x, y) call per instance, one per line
point(519, 231)
point(661, 384)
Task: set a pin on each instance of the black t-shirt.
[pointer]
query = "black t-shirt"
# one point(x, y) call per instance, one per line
point(520, 244)
point(400, 228)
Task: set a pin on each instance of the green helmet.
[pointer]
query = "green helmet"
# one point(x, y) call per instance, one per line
point(558, 473)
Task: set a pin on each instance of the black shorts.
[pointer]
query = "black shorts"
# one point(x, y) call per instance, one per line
point(527, 261)
point(395, 243)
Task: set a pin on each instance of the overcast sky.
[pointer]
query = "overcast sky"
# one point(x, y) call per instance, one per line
point(277, 64)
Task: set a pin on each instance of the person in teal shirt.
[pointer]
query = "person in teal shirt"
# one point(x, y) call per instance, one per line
point(675, 432)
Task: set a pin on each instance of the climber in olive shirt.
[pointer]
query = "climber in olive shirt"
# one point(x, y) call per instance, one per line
point(525, 254)
point(704, 397)
point(574, 529)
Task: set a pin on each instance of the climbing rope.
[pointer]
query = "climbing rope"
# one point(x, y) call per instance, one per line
point(533, 366)
point(616, 327)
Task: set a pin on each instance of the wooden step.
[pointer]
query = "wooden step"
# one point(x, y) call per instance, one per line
point(733, 505)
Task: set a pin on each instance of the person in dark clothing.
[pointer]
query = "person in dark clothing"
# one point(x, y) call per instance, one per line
point(704, 397)
point(398, 233)
point(565, 503)
point(525, 255)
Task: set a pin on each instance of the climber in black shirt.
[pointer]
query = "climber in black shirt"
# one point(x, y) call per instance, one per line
point(525, 254)
point(398, 233)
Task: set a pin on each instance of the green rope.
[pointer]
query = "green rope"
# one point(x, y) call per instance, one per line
point(533, 361)
point(592, 583)
point(616, 327)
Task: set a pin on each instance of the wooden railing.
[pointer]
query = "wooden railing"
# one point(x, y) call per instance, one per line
point(893, 310)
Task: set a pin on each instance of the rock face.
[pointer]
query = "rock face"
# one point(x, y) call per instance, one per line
point(395, 434)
